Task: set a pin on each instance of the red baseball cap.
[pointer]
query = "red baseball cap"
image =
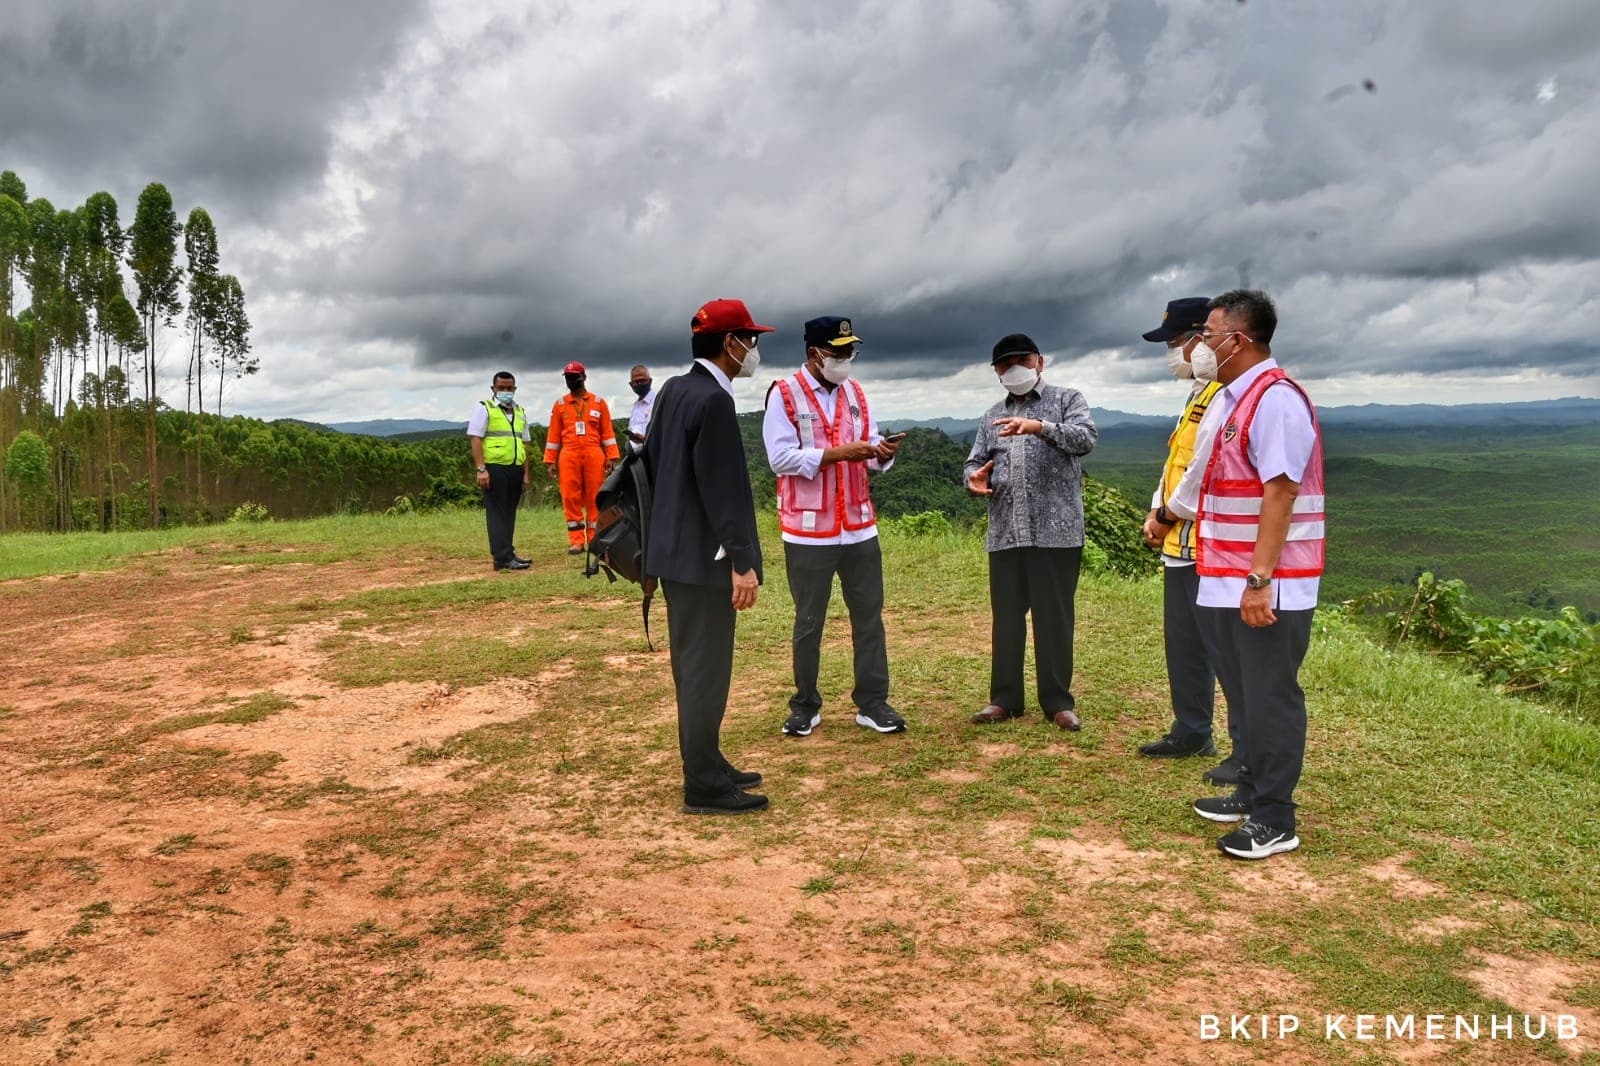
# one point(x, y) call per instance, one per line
point(574, 367)
point(725, 316)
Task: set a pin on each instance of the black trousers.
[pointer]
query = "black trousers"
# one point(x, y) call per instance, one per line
point(1260, 673)
point(700, 621)
point(1191, 677)
point(500, 501)
point(1044, 582)
point(811, 568)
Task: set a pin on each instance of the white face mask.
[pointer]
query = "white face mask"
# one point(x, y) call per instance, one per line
point(1178, 364)
point(836, 371)
point(1204, 361)
point(1021, 380)
point(752, 359)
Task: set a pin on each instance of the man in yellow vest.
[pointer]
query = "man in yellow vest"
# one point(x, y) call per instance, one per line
point(821, 440)
point(498, 430)
point(1191, 676)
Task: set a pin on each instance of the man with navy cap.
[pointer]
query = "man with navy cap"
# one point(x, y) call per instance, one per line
point(1026, 461)
point(821, 441)
point(1191, 677)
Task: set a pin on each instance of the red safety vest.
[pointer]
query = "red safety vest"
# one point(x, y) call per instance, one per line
point(823, 505)
point(1230, 498)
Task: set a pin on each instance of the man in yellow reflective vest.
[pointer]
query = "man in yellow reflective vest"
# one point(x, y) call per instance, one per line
point(498, 430)
point(1191, 676)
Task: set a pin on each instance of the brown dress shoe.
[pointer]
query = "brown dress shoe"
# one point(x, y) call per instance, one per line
point(1067, 720)
point(992, 714)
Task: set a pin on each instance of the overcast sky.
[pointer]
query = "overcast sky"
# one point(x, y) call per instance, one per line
point(416, 193)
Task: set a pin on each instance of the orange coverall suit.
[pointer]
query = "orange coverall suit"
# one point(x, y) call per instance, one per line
point(581, 441)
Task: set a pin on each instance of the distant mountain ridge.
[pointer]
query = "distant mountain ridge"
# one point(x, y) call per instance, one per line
point(1568, 411)
point(393, 427)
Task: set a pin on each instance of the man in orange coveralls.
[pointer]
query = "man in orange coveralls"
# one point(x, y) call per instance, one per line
point(582, 449)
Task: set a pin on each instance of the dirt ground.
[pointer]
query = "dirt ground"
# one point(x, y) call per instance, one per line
point(331, 880)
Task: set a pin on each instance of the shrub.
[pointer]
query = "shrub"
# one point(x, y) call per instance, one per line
point(923, 524)
point(250, 512)
point(1558, 658)
point(1094, 557)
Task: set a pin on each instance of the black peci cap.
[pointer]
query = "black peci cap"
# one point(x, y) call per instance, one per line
point(1013, 344)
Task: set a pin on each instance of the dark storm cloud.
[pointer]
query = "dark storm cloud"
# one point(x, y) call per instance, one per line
point(231, 103)
point(505, 182)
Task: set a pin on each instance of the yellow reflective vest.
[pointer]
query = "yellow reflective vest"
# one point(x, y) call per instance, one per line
point(502, 441)
point(1180, 542)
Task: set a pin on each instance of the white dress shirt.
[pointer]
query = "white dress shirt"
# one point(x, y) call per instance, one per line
point(639, 417)
point(1281, 439)
point(716, 372)
point(788, 459)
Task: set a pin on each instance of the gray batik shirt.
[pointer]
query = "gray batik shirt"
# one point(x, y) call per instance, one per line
point(1037, 481)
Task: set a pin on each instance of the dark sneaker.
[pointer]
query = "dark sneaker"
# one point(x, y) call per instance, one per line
point(575, 549)
point(733, 801)
point(1222, 808)
point(1169, 747)
point(1256, 841)
point(515, 564)
point(744, 778)
point(801, 723)
point(883, 719)
point(1226, 772)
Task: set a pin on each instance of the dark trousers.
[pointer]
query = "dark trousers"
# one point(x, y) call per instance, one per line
point(1043, 581)
point(700, 620)
point(1260, 673)
point(500, 501)
point(811, 568)
point(1191, 678)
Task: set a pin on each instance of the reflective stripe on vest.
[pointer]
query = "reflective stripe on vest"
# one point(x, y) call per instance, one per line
point(820, 506)
point(1230, 498)
point(502, 441)
point(1180, 542)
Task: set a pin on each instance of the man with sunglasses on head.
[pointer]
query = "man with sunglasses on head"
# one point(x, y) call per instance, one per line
point(1191, 678)
point(821, 441)
point(703, 544)
point(1260, 552)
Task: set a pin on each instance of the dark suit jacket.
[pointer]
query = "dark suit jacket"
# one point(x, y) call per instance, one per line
point(700, 487)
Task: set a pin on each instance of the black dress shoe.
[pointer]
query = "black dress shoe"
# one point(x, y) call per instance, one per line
point(515, 564)
point(733, 801)
point(520, 559)
point(1169, 747)
point(744, 778)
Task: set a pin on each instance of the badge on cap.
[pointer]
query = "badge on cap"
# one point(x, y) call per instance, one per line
point(844, 328)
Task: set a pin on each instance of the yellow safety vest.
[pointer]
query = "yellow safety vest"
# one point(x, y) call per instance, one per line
point(502, 442)
point(1180, 542)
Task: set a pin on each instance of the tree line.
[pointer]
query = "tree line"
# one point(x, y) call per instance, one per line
point(75, 422)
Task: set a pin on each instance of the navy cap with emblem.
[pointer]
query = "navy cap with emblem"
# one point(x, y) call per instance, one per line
point(1187, 315)
point(830, 331)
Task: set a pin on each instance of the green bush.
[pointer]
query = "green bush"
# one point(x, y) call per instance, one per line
point(250, 512)
point(923, 524)
point(1095, 558)
point(1558, 658)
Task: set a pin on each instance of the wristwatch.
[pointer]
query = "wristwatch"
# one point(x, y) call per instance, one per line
point(1256, 581)
point(483, 470)
point(1165, 517)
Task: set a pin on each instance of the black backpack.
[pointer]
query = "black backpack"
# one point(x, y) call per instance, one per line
point(622, 528)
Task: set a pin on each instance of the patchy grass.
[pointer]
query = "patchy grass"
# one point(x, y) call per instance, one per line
point(546, 903)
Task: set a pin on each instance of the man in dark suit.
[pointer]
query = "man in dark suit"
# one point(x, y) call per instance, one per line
point(703, 544)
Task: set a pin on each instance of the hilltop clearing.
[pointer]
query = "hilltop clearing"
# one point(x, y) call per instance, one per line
point(333, 790)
